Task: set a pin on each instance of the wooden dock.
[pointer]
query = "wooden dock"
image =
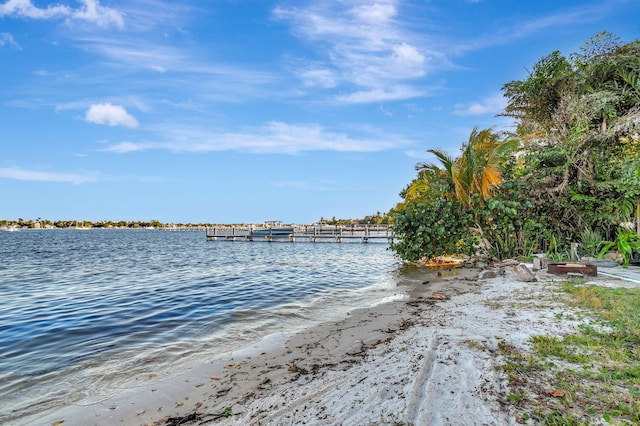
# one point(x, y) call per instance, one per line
point(310, 233)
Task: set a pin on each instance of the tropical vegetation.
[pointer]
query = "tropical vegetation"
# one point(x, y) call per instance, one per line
point(569, 172)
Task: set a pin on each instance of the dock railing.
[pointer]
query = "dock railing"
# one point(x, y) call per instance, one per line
point(313, 233)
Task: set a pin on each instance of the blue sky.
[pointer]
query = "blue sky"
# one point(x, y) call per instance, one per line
point(241, 111)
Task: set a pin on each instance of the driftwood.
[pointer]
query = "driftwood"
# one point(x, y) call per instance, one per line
point(523, 273)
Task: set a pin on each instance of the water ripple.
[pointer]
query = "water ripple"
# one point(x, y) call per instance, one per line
point(82, 312)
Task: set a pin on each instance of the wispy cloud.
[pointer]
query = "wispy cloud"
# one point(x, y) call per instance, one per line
point(90, 11)
point(362, 43)
point(31, 175)
point(526, 26)
point(112, 115)
point(391, 93)
point(134, 52)
point(274, 137)
point(159, 16)
point(318, 76)
point(565, 17)
point(183, 69)
point(490, 105)
point(7, 39)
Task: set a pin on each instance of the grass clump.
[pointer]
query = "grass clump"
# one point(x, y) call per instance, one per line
point(588, 377)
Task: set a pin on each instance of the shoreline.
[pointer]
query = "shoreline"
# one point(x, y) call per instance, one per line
point(150, 397)
point(425, 359)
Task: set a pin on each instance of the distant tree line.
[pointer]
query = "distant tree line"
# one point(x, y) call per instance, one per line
point(63, 224)
point(378, 218)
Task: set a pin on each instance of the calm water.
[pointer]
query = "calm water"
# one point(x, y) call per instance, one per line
point(82, 312)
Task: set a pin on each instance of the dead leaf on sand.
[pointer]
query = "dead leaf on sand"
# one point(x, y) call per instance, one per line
point(57, 423)
point(556, 393)
point(438, 296)
point(236, 365)
point(215, 378)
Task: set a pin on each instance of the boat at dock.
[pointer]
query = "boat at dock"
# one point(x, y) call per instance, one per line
point(278, 231)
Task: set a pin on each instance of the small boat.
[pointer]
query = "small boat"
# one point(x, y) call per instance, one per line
point(279, 231)
point(9, 228)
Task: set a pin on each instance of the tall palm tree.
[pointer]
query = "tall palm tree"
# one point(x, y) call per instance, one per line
point(433, 182)
point(477, 170)
point(439, 178)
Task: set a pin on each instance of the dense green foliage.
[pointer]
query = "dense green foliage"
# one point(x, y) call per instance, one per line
point(571, 169)
point(449, 232)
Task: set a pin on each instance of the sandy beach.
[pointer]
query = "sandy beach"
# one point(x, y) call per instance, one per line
point(427, 359)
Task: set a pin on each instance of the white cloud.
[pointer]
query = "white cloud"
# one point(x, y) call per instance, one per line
point(123, 147)
point(319, 77)
point(384, 111)
point(26, 9)
point(491, 105)
point(363, 43)
point(100, 15)
point(112, 115)
point(407, 60)
point(380, 95)
point(6, 38)
point(273, 137)
point(19, 174)
point(90, 11)
point(381, 12)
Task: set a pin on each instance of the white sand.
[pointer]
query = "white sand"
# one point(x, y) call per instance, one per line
point(418, 361)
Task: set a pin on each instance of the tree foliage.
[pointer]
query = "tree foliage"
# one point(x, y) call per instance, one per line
point(581, 166)
point(577, 169)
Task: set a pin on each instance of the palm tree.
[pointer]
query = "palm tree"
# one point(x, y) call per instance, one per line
point(440, 180)
point(476, 171)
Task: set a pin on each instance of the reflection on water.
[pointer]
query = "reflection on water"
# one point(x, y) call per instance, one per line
point(83, 313)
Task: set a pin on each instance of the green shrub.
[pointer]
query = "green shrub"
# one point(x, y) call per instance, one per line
point(428, 230)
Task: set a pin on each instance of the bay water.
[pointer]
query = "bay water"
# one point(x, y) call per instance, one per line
point(84, 312)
